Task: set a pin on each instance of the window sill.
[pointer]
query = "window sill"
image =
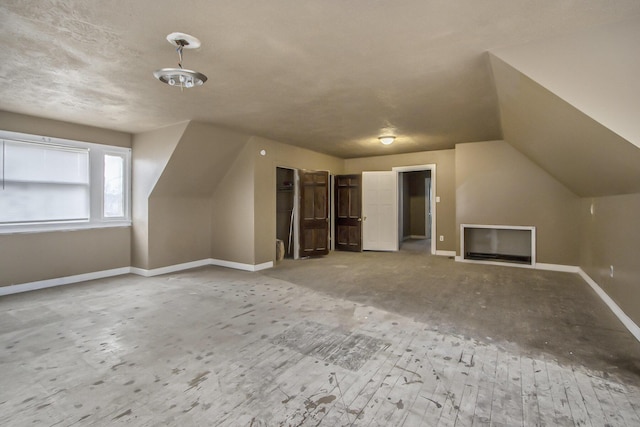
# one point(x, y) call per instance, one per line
point(76, 226)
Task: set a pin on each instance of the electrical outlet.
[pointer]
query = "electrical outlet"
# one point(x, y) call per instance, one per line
point(442, 240)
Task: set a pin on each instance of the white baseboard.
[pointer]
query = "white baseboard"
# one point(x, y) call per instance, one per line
point(557, 267)
point(49, 283)
point(170, 268)
point(615, 308)
point(241, 266)
point(536, 266)
point(59, 281)
point(445, 253)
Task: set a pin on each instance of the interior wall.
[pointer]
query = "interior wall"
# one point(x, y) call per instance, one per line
point(180, 204)
point(564, 141)
point(38, 126)
point(445, 185)
point(498, 185)
point(29, 257)
point(149, 156)
point(607, 90)
point(233, 210)
point(611, 237)
point(283, 155)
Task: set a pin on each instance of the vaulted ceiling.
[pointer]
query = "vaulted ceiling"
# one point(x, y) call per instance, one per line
point(327, 75)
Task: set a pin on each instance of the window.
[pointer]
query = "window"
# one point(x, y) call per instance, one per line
point(114, 189)
point(49, 183)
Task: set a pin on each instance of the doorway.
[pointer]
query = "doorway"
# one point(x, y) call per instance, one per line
point(285, 187)
point(416, 219)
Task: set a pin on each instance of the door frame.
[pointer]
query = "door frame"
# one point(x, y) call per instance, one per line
point(429, 167)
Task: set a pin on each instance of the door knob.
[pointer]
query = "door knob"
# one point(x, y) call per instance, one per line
point(359, 219)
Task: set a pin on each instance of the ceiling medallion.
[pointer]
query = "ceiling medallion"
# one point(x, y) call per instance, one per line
point(181, 77)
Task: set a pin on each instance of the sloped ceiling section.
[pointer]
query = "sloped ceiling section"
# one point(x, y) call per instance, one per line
point(329, 76)
point(571, 105)
point(200, 160)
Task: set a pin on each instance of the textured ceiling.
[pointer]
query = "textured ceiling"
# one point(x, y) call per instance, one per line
point(327, 75)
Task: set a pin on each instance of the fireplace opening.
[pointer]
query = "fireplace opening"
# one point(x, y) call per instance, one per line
point(495, 243)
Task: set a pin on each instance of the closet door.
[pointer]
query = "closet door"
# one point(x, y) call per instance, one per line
point(348, 213)
point(314, 213)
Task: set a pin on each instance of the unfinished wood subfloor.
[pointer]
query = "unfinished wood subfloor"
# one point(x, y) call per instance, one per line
point(220, 347)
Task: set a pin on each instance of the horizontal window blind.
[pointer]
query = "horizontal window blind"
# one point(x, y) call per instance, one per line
point(43, 183)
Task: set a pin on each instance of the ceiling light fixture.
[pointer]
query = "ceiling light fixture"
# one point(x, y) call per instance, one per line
point(181, 77)
point(387, 139)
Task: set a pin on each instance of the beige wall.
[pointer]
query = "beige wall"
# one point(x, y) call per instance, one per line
point(207, 192)
point(150, 154)
point(497, 185)
point(278, 155)
point(56, 129)
point(592, 70)
point(29, 257)
point(180, 205)
point(179, 230)
point(176, 171)
point(233, 210)
point(445, 185)
point(611, 236)
point(563, 140)
point(244, 204)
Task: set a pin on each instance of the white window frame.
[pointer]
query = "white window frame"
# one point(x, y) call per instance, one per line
point(96, 184)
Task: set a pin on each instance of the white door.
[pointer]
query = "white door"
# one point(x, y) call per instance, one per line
point(380, 211)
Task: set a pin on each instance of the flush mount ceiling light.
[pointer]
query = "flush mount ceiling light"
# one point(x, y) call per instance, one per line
point(387, 139)
point(181, 77)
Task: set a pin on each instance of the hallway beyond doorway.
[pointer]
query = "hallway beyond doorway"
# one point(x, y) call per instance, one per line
point(416, 245)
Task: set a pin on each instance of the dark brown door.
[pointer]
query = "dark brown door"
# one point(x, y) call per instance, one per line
point(348, 217)
point(314, 213)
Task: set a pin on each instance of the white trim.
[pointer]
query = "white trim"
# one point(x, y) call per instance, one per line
point(68, 226)
point(240, 266)
point(59, 281)
point(170, 268)
point(626, 320)
point(501, 263)
point(530, 228)
point(538, 266)
point(557, 267)
point(446, 253)
point(50, 283)
point(201, 263)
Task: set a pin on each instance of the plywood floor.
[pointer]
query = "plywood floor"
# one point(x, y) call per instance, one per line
point(215, 346)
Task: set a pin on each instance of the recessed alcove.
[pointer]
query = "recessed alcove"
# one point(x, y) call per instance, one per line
point(498, 244)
